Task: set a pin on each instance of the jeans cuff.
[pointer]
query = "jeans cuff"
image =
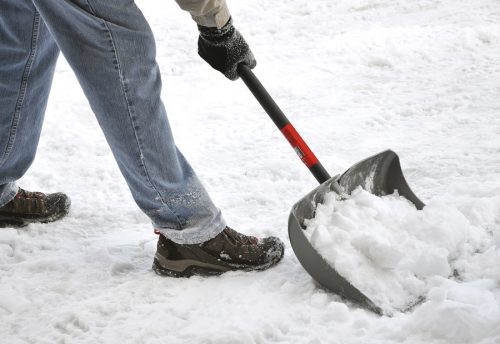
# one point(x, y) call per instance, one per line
point(7, 193)
point(197, 233)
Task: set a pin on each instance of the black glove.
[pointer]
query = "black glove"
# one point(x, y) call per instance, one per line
point(224, 49)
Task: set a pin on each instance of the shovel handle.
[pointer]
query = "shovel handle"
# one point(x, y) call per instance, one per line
point(299, 145)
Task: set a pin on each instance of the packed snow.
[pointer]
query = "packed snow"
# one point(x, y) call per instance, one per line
point(355, 77)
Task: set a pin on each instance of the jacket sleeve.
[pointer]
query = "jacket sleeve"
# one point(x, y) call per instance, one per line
point(211, 13)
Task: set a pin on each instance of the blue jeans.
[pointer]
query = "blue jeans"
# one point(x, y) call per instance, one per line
point(111, 49)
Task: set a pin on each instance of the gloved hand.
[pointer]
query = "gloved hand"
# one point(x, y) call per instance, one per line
point(224, 49)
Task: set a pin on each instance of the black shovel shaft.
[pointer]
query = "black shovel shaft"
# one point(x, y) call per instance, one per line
point(299, 145)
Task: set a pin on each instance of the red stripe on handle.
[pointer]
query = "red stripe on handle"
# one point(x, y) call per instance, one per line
point(299, 145)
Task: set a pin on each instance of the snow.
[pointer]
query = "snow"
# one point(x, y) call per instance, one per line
point(394, 253)
point(355, 77)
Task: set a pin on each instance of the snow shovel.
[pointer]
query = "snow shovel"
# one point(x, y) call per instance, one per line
point(379, 174)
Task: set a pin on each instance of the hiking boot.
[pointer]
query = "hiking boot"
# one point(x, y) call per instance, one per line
point(29, 207)
point(228, 251)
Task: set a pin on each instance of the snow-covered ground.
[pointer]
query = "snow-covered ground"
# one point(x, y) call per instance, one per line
point(356, 77)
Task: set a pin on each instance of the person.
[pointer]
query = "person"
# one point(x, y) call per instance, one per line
point(111, 49)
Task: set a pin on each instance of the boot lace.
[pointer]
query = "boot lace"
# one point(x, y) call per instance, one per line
point(24, 194)
point(240, 238)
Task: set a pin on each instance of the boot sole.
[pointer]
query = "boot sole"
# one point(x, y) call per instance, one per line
point(16, 222)
point(188, 272)
point(189, 267)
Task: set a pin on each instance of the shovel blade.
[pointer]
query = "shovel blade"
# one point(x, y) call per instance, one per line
point(380, 174)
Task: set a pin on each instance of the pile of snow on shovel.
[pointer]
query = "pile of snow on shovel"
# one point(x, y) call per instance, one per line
point(393, 253)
